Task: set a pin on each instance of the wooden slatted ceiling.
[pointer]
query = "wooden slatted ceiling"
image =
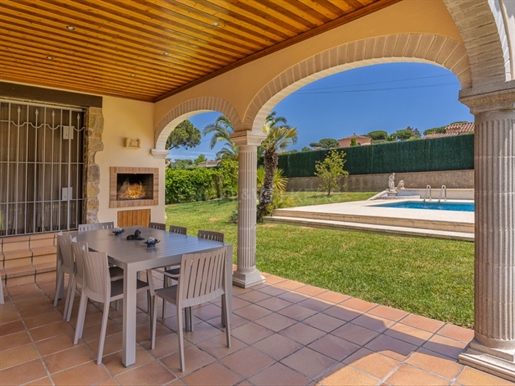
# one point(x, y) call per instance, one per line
point(149, 49)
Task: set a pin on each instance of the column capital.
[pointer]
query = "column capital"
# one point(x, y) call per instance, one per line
point(247, 137)
point(489, 100)
point(159, 154)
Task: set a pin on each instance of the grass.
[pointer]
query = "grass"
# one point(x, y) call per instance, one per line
point(429, 277)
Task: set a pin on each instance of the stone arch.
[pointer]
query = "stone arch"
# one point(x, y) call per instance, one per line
point(413, 47)
point(485, 27)
point(188, 108)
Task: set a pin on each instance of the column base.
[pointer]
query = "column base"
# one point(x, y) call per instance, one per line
point(247, 279)
point(493, 361)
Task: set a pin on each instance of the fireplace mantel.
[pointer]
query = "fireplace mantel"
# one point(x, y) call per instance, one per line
point(114, 202)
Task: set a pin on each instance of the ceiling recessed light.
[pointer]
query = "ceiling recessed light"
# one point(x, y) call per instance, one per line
point(166, 53)
point(133, 75)
point(50, 57)
point(70, 27)
point(215, 24)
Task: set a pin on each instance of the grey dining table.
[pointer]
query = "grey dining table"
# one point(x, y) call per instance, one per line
point(134, 256)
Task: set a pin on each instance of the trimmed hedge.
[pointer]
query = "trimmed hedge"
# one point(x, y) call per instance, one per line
point(447, 153)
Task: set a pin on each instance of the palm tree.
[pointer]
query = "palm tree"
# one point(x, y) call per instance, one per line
point(279, 136)
point(222, 129)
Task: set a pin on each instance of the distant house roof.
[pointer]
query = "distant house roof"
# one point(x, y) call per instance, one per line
point(354, 136)
point(209, 164)
point(454, 129)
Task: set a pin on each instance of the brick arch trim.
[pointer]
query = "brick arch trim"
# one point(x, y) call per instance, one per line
point(424, 48)
point(188, 108)
point(484, 28)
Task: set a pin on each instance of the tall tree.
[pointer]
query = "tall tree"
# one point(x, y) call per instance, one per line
point(279, 136)
point(184, 135)
point(325, 143)
point(378, 135)
point(330, 171)
point(222, 129)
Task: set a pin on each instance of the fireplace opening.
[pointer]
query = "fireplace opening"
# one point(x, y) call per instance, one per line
point(134, 186)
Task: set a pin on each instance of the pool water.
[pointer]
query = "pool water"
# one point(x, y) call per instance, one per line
point(433, 205)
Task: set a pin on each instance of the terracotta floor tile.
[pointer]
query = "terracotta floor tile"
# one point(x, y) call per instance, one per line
point(274, 304)
point(292, 297)
point(17, 339)
point(217, 346)
point(456, 332)
point(355, 334)
point(341, 312)
point(272, 279)
point(473, 377)
point(271, 290)
point(435, 363)
point(112, 344)
point(86, 374)
point(449, 347)
point(91, 333)
point(302, 333)
point(251, 333)
point(409, 334)
point(153, 373)
point(334, 347)
point(17, 355)
point(207, 311)
point(41, 320)
point(310, 290)
point(239, 303)
point(194, 358)
point(345, 375)
point(391, 347)
point(422, 322)
point(36, 309)
point(374, 323)
point(279, 374)
point(202, 332)
point(55, 344)
point(247, 361)
point(406, 375)
point(332, 297)
point(165, 345)
point(275, 322)
point(9, 315)
point(388, 312)
point(315, 304)
point(324, 322)
point(212, 374)
point(51, 330)
point(11, 328)
point(62, 360)
point(372, 363)
point(252, 312)
point(23, 373)
point(297, 312)
point(278, 346)
point(308, 362)
point(254, 296)
point(45, 381)
point(358, 304)
point(114, 364)
point(289, 284)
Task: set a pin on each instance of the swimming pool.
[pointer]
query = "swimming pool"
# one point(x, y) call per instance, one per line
point(432, 205)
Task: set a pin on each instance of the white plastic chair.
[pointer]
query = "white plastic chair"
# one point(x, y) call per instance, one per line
point(99, 287)
point(202, 280)
point(65, 265)
point(96, 226)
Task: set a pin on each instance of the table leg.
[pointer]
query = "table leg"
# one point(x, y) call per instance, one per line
point(129, 317)
point(228, 272)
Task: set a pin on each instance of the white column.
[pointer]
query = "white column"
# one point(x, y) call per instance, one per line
point(493, 347)
point(246, 274)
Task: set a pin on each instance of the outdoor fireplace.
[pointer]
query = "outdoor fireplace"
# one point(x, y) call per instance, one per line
point(130, 187)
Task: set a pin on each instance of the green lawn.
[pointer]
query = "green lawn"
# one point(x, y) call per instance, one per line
point(428, 277)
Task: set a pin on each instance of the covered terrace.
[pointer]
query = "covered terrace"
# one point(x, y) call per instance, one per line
point(123, 74)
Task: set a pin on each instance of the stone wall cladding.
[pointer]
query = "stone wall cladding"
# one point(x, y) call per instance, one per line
point(94, 121)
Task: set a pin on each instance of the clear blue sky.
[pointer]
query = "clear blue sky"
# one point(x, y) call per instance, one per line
point(385, 97)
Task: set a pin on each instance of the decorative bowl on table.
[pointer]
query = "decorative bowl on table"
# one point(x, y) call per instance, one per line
point(151, 242)
point(135, 236)
point(118, 231)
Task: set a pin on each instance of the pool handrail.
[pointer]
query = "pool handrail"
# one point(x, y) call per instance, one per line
point(425, 194)
point(444, 189)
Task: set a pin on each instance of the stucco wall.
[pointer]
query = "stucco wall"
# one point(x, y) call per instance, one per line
point(452, 179)
point(125, 118)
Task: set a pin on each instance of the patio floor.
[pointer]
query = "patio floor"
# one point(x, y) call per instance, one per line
point(283, 333)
